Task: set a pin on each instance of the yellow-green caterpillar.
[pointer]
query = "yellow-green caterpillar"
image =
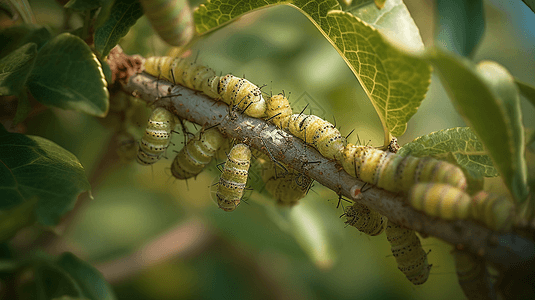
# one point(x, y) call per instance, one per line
point(197, 153)
point(409, 254)
point(157, 136)
point(396, 173)
point(234, 177)
point(364, 219)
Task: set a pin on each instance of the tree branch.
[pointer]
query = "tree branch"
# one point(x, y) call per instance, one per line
point(503, 250)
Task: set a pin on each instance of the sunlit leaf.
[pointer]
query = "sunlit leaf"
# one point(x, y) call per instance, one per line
point(31, 167)
point(461, 142)
point(15, 69)
point(90, 280)
point(461, 24)
point(487, 98)
point(395, 82)
point(68, 75)
point(122, 16)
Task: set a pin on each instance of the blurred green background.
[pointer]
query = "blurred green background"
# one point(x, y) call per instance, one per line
point(157, 238)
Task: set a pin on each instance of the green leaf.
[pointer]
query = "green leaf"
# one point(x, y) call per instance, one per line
point(23, 108)
point(82, 5)
point(461, 142)
point(395, 82)
point(487, 98)
point(12, 220)
point(123, 15)
point(530, 4)
point(527, 91)
point(68, 75)
point(32, 166)
point(15, 68)
point(90, 280)
point(15, 37)
point(461, 25)
point(52, 281)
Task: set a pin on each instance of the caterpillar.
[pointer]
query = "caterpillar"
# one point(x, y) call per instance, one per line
point(364, 219)
point(396, 173)
point(157, 136)
point(409, 254)
point(440, 200)
point(288, 189)
point(473, 276)
point(185, 72)
point(323, 135)
point(196, 154)
point(496, 212)
point(231, 89)
point(172, 20)
point(243, 94)
point(234, 177)
point(278, 111)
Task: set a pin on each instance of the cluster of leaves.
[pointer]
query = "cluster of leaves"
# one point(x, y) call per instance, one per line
point(374, 44)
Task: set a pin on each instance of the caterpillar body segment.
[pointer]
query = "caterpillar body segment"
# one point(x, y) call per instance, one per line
point(210, 87)
point(196, 154)
point(397, 173)
point(287, 190)
point(185, 72)
point(243, 94)
point(440, 200)
point(234, 177)
point(318, 132)
point(496, 212)
point(278, 110)
point(172, 20)
point(409, 254)
point(473, 276)
point(294, 125)
point(157, 136)
point(364, 219)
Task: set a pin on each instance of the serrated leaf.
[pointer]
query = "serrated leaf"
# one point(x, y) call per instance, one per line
point(527, 90)
point(68, 75)
point(395, 82)
point(461, 142)
point(122, 16)
point(461, 25)
point(82, 5)
point(488, 100)
point(15, 37)
point(31, 167)
point(90, 280)
point(15, 69)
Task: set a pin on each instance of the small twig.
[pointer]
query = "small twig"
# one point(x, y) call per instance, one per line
point(501, 249)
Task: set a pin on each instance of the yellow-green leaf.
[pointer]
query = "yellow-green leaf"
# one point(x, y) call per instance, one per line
point(461, 143)
point(487, 98)
point(395, 82)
